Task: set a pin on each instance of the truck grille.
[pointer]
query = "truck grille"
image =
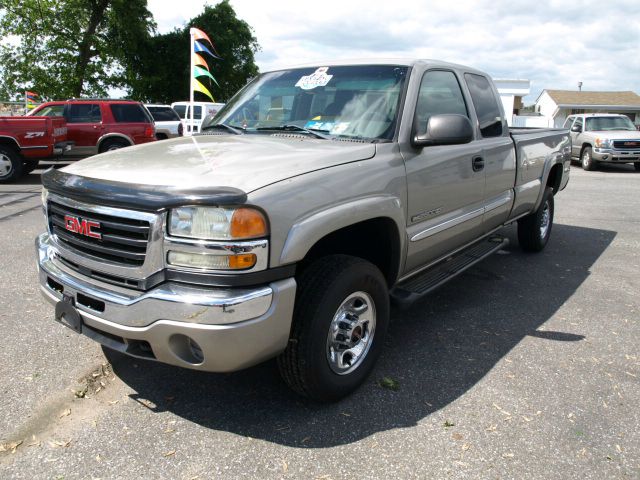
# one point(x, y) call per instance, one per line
point(118, 240)
point(626, 144)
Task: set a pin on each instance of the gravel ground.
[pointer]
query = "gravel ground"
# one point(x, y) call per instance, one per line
point(526, 366)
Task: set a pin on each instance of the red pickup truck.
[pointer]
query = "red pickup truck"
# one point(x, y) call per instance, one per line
point(24, 141)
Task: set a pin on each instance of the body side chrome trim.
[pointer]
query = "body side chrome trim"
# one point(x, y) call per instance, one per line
point(447, 224)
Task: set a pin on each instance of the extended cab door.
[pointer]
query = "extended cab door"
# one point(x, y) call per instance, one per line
point(497, 150)
point(445, 189)
point(84, 127)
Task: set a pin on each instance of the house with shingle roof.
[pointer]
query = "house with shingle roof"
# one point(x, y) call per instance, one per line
point(556, 105)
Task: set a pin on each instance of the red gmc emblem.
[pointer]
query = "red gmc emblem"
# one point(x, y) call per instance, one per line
point(630, 144)
point(82, 227)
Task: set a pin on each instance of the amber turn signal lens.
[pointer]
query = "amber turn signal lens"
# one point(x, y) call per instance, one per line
point(239, 262)
point(248, 223)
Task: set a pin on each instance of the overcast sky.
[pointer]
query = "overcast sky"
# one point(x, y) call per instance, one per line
point(555, 44)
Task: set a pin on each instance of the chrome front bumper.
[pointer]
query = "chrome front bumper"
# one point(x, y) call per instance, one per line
point(615, 156)
point(230, 328)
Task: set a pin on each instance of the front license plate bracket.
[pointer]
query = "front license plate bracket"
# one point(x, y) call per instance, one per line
point(67, 314)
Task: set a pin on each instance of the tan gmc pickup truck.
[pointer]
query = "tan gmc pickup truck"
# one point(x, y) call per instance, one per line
point(317, 196)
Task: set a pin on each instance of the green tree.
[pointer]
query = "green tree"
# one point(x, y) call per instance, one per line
point(69, 48)
point(159, 71)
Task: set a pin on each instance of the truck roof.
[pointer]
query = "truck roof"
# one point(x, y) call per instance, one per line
point(407, 62)
point(598, 115)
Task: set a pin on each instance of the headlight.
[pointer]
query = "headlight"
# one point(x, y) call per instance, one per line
point(217, 223)
point(603, 143)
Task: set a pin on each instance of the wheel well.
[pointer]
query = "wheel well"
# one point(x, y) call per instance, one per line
point(10, 142)
point(376, 240)
point(116, 138)
point(584, 145)
point(555, 177)
point(161, 136)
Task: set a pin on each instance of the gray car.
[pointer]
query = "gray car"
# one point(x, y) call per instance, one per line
point(321, 194)
point(603, 137)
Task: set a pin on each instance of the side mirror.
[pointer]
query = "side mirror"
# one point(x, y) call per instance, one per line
point(446, 129)
point(576, 128)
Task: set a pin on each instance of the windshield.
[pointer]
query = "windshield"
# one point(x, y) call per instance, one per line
point(598, 124)
point(349, 101)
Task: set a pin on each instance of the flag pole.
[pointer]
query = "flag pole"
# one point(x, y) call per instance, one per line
point(191, 78)
point(26, 102)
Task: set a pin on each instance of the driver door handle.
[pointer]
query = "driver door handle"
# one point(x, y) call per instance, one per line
point(477, 164)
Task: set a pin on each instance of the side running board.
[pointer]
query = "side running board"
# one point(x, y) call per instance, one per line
point(407, 292)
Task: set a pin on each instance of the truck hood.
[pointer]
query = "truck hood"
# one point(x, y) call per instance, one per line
point(615, 134)
point(245, 162)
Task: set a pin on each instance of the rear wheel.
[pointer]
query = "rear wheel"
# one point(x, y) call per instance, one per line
point(637, 166)
point(11, 164)
point(588, 163)
point(340, 321)
point(534, 230)
point(115, 144)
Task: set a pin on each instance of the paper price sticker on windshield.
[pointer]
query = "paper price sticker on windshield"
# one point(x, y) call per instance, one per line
point(319, 78)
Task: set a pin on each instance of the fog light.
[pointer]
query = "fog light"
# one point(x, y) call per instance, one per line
point(208, 261)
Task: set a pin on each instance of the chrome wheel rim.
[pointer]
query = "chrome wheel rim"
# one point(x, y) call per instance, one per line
point(113, 147)
point(545, 221)
point(351, 333)
point(586, 158)
point(5, 165)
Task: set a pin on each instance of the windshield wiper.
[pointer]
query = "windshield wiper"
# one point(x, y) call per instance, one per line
point(223, 126)
point(295, 128)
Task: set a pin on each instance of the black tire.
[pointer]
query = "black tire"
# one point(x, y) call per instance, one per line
point(323, 287)
point(531, 235)
point(586, 159)
point(11, 164)
point(637, 166)
point(30, 164)
point(113, 144)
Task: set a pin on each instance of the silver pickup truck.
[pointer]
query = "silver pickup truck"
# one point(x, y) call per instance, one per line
point(603, 137)
point(317, 196)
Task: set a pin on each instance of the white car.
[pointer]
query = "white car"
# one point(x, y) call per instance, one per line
point(168, 123)
point(200, 110)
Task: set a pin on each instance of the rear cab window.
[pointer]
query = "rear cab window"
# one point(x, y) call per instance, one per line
point(84, 113)
point(50, 111)
point(568, 122)
point(129, 113)
point(163, 114)
point(486, 105)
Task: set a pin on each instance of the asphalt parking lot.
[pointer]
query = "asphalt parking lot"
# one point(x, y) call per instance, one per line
point(526, 366)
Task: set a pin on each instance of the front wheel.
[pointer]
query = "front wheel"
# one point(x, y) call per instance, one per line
point(534, 230)
point(588, 163)
point(340, 321)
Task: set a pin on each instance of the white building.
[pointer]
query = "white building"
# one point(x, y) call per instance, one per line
point(556, 105)
point(511, 93)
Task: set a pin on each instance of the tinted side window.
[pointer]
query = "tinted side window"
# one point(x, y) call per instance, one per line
point(161, 114)
point(84, 113)
point(439, 94)
point(129, 113)
point(487, 109)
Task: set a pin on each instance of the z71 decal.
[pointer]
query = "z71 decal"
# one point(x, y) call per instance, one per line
point(34, 134)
